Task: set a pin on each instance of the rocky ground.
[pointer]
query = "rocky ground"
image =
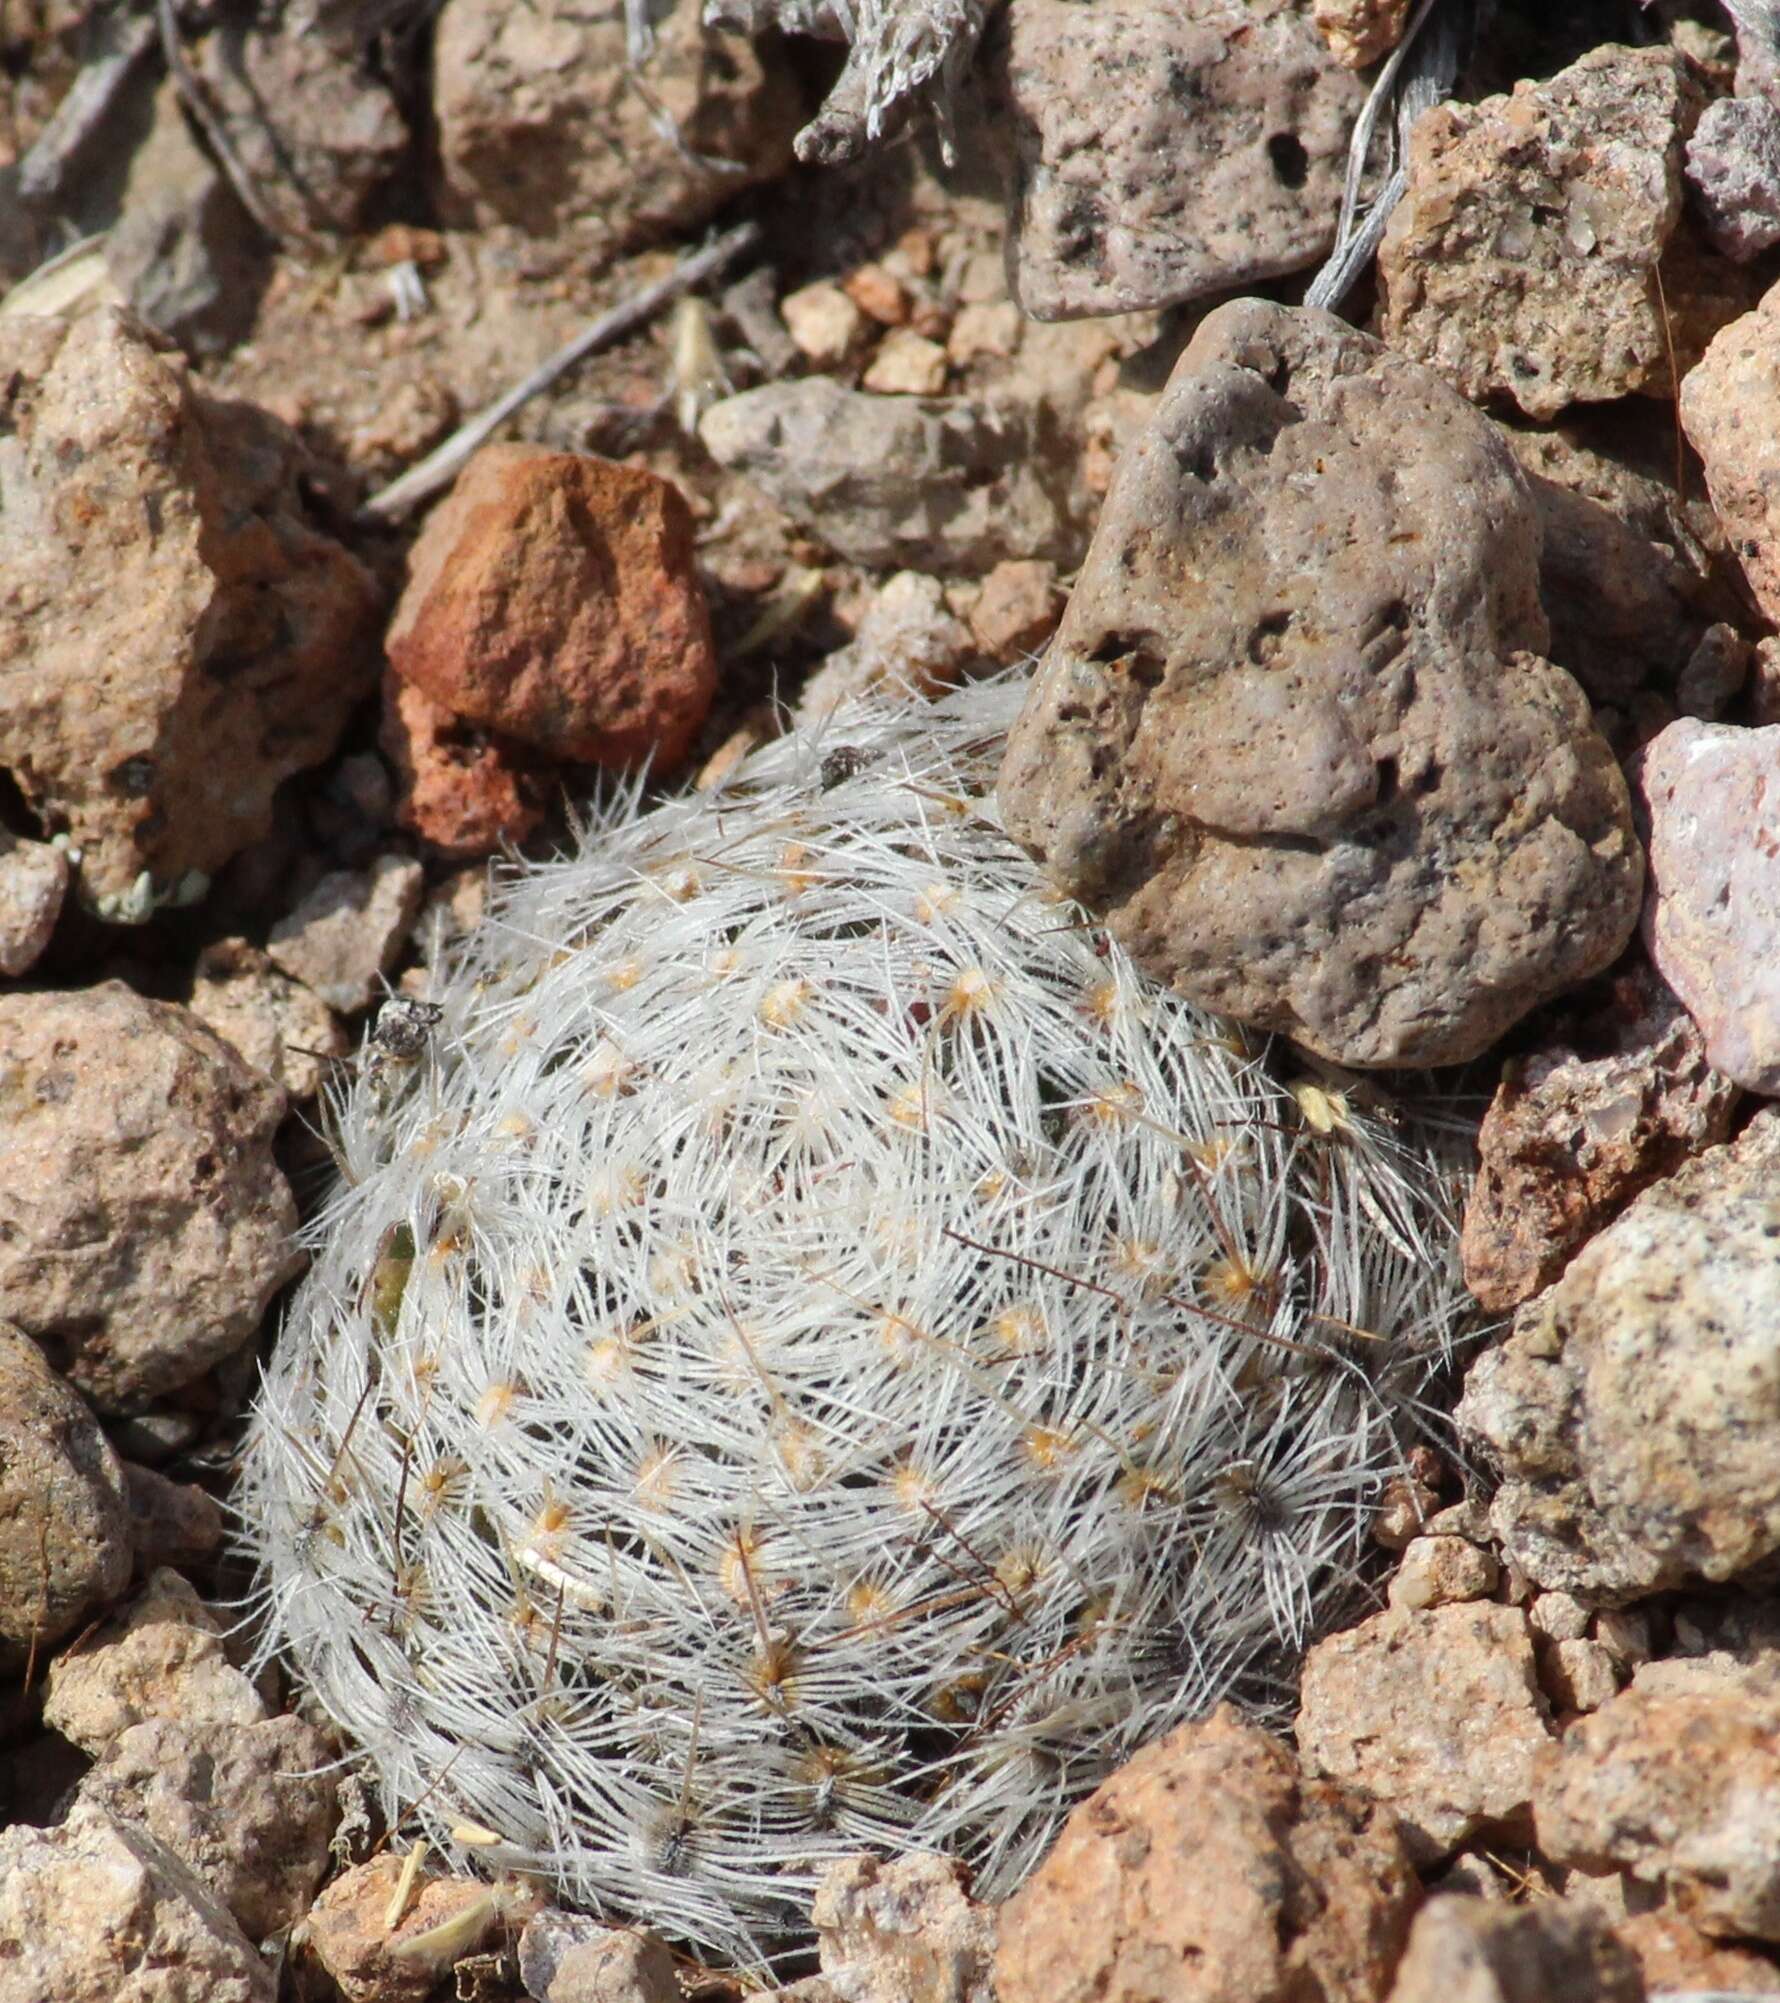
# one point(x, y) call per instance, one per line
point(1510, 543)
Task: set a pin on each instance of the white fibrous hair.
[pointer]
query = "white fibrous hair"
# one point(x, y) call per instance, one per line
point(818, 1354)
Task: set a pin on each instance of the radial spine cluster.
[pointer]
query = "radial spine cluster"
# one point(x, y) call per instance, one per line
point(815, 1353)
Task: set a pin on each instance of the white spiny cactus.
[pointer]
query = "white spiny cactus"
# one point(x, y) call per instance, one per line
point(819, 1354)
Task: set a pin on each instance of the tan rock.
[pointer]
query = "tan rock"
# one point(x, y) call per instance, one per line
point(345, 937)
point(568, 1958)
point(991, 327)
point(64, 1517)
point(1484, 1951)
point(161, 1657)
point(906, 364)
point(878, 293)
point(33, 882)
point(826, 325)
point(464, 790)
point(1675, 1955)
point(1017, 610)
point(149, 1226)
point(1578, 1675)
point(1524, 258)
point(97, 1911)
point(248, 1808)
point(171, 1522)
point(276, 1023)
point(1635, 1409)
point(180, 635)
point(903, 1932)
point(1208, 1868)
point(1359, 32)
point(1309, 768)
point(1681, 1791)
point(908, 640)
point(1730, 406)
point(1443, 1571)
point(1558, 1617)
point(375, 1962)
point(1435, 1713)
point(553, 597)
point(1616, 1094)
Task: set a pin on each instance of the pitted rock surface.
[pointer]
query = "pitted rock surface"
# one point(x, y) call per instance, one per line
point(1295, 739)
point(1730, 408)
point(1635, 1410)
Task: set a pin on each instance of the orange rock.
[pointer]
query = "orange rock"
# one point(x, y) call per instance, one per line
point(461, 789)
point(552, 597)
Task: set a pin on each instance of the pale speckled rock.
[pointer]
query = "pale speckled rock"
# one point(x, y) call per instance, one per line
point(33, 882)
point(1730, 407)
point(541, 124)
point(1156, 153)
point(1577, 1675)
point(894, 482)
point(1360, 32)
point(1682, 1791)
point(1615, 1095)
point(1470, 1950)
point(1733, 170)
point(1635, 1409)
point(1294, 741)
point(147, 1224)
point(162, 1656)
point(1436, 1713)
point(908, 639)
point(569, 1958)
point(347, 934)
point(1209, 1869)
point(1712, 901)
point(96, 1911)
point(276, 1023)
point(1675, 1955)
point(64, 1517)
point(247, 1808)
point(1441, 1572)
point(1522, 259)
point(901, 1931)
point(178, 634)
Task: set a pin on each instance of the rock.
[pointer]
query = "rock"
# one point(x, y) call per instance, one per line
point(1730, 408)
point(906, 364)
point(354, 807)
point(907, 639)
point(1615, 1095)
point(1625, 1634)
point(171, 1522)
point(1307, 766)
point(1359, 32)
point(316, 130)
point(1733, 173)
point(1635, 1409)
point(1436, 1714)
point(1712, 902)
point(33, 882)
point(184, 252)
point(247, 1808)
point(568, 1958)
point(554, 597)
point(180, 636)
point(1159, 153)
point(1558, 1616)
point(1682, 1792)
point(985, 327)
point(148, 1224)
point(1715, 673)
point(542, 122)
point(1577, 1675)
point(464, 790)
point(347, 934)
point(1465, 1950)
point(1208, 1868)
point(826, 325)
point(64, 1518)
point(276, 1023)
point(375, 1962)
point(896, 482)
point(1017, 610)
point(1675, 1955)
point(1523, 260)
point(902, 1932)
point(161, 1657)
point(1443, 1571)
point(97, 1911)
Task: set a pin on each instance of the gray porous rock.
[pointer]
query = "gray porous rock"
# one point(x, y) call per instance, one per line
point(1712, 903)
point(1473, 1950)
point(1522, 261)
point(1295, 739)
point(64, 1517)
point(1733, 169)
point(177, 636)
point(276, 1023)
point(897, 482)
point(1635, 1409)
point(1157, 151)
point(1730, 409)
point(347, 934)
point(903, 1931)
point(1435, 1712)
point(1617, 1093)
point(96, 1910)
point(147, 1225)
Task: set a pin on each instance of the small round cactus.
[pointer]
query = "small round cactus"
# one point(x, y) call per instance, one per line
point(812, 1352)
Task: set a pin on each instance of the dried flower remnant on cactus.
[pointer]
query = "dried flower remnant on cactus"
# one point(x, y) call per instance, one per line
point(821, 1355)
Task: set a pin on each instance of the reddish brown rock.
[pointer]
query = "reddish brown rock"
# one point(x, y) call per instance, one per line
point(1730, 406)
point(376, 1961)
point(461, 788)
point(552, 597)
point(1675, 1955)
point(1208, 1869)
point(179, 635)
point(1616, 1095)
point(1017, 610)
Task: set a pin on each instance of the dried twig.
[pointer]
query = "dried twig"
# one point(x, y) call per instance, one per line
point(193, 96)
point(85, 108)
point(440, 465)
